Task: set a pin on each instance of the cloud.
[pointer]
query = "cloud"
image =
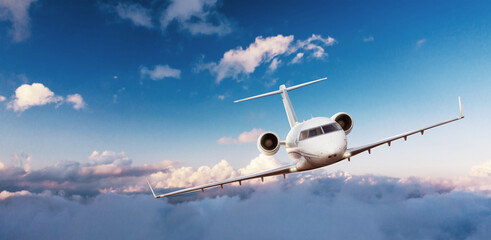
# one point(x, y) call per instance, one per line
point(187, 176)
point(105, 171)
point(198, 17)
point(6, 194)
point(76, 100)
point(239, 61)
point(136, 13)
point(2, 98)
point(160, 72)
point(339, 205)
point(36, 94)
point(420, 42)
point(368, 39)
point(274, 65)
point(297, 58)
point(244, 137)
point(17, 13)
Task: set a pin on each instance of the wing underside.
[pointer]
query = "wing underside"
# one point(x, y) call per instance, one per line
point(290, 168)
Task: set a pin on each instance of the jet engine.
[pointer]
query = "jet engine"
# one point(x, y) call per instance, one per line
point(268, 143)
point(344, 120)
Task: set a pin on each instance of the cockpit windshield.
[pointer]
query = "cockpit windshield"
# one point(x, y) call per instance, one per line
point(332, 127)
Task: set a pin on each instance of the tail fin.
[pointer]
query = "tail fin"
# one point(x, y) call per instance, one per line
point(290, 113)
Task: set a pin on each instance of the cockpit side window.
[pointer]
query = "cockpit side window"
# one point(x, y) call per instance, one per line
point(304, 134)
point(314, 132)
point(331, 128)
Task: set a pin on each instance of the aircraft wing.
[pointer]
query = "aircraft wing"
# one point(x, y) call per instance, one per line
point(350, 152)
point(290, 168)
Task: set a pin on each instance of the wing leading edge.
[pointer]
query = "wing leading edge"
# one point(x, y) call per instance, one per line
point(350, 152)
point(290, 168)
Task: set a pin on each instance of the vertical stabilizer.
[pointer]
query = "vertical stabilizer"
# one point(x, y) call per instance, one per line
point(290, 113)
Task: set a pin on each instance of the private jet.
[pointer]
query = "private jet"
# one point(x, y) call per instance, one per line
point(311, 144)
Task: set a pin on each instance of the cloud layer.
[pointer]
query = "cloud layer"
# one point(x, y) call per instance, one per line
point(239, 61)
point(101, 198)
point(17, 13)
point(338, 205)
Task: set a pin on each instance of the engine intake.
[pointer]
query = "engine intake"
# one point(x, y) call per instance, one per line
point(268, 143)
point(344, 120)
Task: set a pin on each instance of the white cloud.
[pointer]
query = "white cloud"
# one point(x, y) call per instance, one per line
point(188, 176)
point(297, 58)
point(36, 94)
point(244, 137)
point(245, 61)
point(310, 44)
point(265, 50)
point(17, 13)
point(76, 100)
point(368, 39)
point(196, 16)
point(136, 13)
point(27, 96)
point(2, 98)
point(420, 42)
point(160, 72)
point(6, 194)
point(274, 64)
point(221, 97)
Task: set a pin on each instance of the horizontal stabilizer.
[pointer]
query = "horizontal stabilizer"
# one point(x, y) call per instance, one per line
point(279, 91)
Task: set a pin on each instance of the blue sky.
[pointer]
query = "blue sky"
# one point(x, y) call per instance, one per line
point(394, 66)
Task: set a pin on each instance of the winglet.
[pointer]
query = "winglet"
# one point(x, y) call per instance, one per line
point(461, 111)
point(151, 189)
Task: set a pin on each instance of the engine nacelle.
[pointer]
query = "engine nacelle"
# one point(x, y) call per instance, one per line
point(344, 120)
point(268, 143)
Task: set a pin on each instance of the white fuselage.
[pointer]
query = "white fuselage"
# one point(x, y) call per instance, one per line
point(322, 149)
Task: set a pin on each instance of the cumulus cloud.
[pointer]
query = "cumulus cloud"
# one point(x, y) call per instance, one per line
point(265, 50)
point(76, 100)
point(198, 17)
point(160, 72)
point(244, 137)
point(187, 176)
point(36, 94)
point(17, 13)
point(2, 98)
